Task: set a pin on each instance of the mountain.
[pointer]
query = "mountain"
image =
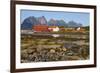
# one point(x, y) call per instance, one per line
point(42, 20)
point(29, 22)
point(62, 23)
point(57, 22)
point(52, 22)
point(74, 24)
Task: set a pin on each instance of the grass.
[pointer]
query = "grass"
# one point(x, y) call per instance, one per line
point(67, 32)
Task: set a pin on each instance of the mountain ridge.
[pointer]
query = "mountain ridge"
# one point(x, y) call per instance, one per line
point(30, 21)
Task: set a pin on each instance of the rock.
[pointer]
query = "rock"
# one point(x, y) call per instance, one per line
point(24, 54)
point(31, 57)
point(64, 49)
point(39, 49)
point(30, 51)
point(52, 51)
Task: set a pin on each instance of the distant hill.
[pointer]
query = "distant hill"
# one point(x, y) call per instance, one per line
point(31, 21)
point(74, 24)
point(57, 23)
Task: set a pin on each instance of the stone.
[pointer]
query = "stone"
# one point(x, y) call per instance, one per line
point(52, 51)
point(64, 49)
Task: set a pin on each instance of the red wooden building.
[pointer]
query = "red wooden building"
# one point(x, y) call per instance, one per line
point(40, 28)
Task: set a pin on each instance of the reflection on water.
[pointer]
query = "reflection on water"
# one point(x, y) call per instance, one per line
point(55, 35)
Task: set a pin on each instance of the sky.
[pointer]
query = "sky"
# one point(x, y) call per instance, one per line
point(79, 17)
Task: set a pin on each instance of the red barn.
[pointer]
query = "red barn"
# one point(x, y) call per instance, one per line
point(40, 28)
